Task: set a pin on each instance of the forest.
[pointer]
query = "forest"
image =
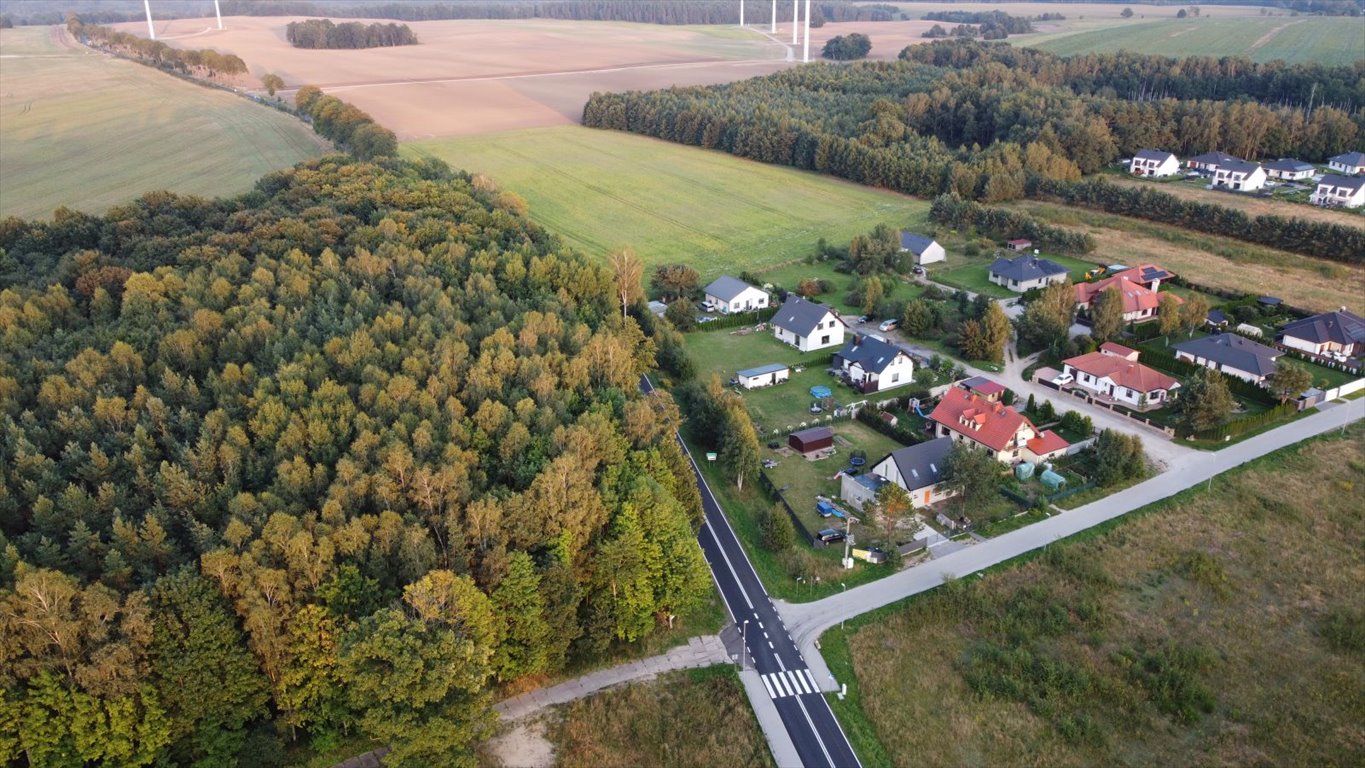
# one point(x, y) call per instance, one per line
point(155, 53)
point(329, 460)
point(970, 119)
point(324, 33)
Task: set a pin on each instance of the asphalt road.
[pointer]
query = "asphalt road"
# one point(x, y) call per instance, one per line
point(769, 648)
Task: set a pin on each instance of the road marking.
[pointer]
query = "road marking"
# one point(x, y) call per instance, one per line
point(813, 685)
point(789, 683)
point(768, 685)
point(816, 733)
point(770, 645)
point(731, 566)
point(781, 684)
point(801, 681)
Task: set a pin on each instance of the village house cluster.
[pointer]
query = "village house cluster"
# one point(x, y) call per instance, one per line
point(1341, 186)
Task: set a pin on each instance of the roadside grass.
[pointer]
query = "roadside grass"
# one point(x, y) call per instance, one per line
point(1218, 262)
point(600, 190)
point(90, 131)
point(1203, 629)
point(1329, 41)
point(682, 719)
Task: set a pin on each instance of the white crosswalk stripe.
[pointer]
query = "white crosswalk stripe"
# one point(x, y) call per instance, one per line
point(790, 683)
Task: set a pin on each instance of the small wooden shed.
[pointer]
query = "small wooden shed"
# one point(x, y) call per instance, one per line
point(811, 440)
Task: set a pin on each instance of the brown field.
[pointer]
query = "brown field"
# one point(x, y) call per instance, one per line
point(1219, 262)
point(1078, 10)
point(1254, 206)
point(470, 77)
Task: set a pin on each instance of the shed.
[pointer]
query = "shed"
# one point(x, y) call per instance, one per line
point(811, 440)
point(1270, 301)
point(763, 375)
point(1052, 480)
point(1019, 245)
point(658, 308)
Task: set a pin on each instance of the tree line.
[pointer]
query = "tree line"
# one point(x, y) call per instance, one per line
point(330, 459)
point(1005, 224)
point(324, 33)
point(639, 11)
point(346, 125)
point(155, 53)
point(990, 25)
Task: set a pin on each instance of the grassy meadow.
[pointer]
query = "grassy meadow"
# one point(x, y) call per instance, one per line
point(89, 131)
point(600, 190)
point(1298, 40)
point(1223, 627)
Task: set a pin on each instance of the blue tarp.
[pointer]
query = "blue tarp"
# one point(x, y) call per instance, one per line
point(826, 509)
point(819, 391)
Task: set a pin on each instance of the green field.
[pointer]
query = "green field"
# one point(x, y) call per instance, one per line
point(1332, 41)
point(89, 131)
point(601, 190)
point(1222, 627)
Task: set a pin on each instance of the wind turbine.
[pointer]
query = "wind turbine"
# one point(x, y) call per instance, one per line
point(805, 56)
point(741, 13)
point(773, 30)
point(218, 13)
point(796, 20)
point(151, 30)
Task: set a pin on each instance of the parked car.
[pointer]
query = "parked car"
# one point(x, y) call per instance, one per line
point(918, 270)
point(830, 535)
point(889, 325)
point(865, 318)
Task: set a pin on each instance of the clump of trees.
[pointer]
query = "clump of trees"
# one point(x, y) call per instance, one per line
point(989, 25)
point(330, 458)
point(208, 63)
point(346, 125)
point(1005, 224)
point(847, 47)
point(324, 33)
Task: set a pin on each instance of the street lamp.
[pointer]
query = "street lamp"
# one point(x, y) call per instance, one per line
point(842, 589)
point(744, 646)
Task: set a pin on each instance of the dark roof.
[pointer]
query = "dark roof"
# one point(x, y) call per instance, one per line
point(1287, 164)
point(914, 242)
point(1341, 327)
point(1153, 154)
point(762, 369)
point(726, 288)
point(1233, 351)
point(1024, 268)
point(800, 316)
point(1349, 182)
point(1151, 272)
point(1238, 166)
point(1217, 316)
point(922, 465)
point(813, 434)
point(983, 385)
point(870, 352)
point(1350, 158)
point(1270, 301)
point(1216, 158)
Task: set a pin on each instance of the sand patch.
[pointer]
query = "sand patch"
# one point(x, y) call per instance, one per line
point(524, 746)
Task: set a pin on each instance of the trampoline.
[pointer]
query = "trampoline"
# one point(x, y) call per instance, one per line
point(820, 392)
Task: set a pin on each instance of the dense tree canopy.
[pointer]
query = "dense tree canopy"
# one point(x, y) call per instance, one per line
point(325, 33)
point(847, 47)
point(338, 453)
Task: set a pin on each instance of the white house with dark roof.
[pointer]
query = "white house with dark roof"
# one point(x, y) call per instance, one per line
point(807, 325)
point(873, 365)
point(1209, 161)
point(926, 250)
point(763, 375)
point(1350, 162)
point(1231, 354)
point(1288, 169)
point(1335, 191)
point(1154, 163)
point(1023, 273)
point(728, 294)
point(916, 468)
point(1330, 333)
point(1239, 176)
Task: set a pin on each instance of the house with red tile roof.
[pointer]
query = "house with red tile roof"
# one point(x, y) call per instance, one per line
point(1114, 373)
point(993, 427)
point(1138, 286)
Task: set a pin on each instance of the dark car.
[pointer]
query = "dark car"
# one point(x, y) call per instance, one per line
point(830, 535)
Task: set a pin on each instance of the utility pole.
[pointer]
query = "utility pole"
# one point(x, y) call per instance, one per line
point(796, 19)
point(219, 13)
point(151, 30)
point(848, 532)
point(744, 646)
point(806, 56)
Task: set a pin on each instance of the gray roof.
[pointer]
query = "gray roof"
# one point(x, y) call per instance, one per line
point(1215, 158)
point(762, 369)
point(870, 352)
point(1341, 327)
point(1153, 154)
point(1287, 164)
point(1349, 182)
point(1022, 268)
point(1238, 166)
point(799, 316)
point(726, 288)
point(813, 433)
point(1350, 158)
point(1233, 351)
point(914, 242)
point(922, 465)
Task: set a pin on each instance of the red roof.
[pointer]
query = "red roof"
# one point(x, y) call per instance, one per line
point(1047, 442)
point(989, 423)
point(1136, 297)
point(1021, 242)
point(1119, 349)
point(1122, 371)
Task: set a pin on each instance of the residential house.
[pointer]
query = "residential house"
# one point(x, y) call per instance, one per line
point(980, 385)
point(1289, 169)
point(1239, 176)
point(1351, 162)
point(728, 294)
point(1231, 354)
point(872, 365)
point(1023, 273)
point(1154, 163)
point(1330, 333)
point(1335, 191)
point(1019, 245)
point(1217, 318)
point(1138, 287)
point(926, 250)
point(998, 429)
point(763, 376)
point(1209, 161)
point(916, 468)
point(807, 325)
point(1113, 372)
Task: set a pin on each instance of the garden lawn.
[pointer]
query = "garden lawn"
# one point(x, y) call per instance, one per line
point(789, 276)
point(974, 276)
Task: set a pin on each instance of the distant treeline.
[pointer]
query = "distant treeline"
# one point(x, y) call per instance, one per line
point(346, 125)
point(1004, 224)
point(156, 53)
point(641, 11)
point(992, 25)
point(323, 33)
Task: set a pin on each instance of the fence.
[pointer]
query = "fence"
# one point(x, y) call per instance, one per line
point(902, 435)
point(1247, 423)
point(1081, 394)
point(771, 490)
point(736, 320)
point(1167, 361)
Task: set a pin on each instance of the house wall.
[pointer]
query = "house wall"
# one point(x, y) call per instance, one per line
point(1344, 168)
point(1229, 370)
point(1020, 287)
point(855, 493)
point(958, 437)
point(1303, 345)
point(815, 339)
point(1323, 196)
point(933, 254)
point(1153, 168)
point(765, 380)
point(921, 495)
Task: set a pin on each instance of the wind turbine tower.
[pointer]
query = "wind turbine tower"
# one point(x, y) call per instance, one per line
point(805, 56)
point(796, 19)
point(217, 12)
point(151, 30)
point(741, 13)
point(773, 30)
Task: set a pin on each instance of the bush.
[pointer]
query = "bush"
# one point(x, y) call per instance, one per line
point(776, 529)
